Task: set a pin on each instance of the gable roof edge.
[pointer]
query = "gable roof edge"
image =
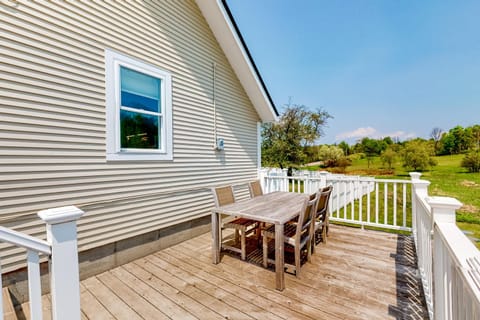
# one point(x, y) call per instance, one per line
point(223, 26)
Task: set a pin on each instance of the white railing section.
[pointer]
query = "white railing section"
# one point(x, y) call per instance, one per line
point(448, 262)
point(34, 248)
point(61, 249)
point(364, 201)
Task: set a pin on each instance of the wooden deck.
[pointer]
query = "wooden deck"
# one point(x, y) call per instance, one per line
point(356, 275)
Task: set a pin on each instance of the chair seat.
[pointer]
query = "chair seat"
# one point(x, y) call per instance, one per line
point(241, 224)
point(289, 232)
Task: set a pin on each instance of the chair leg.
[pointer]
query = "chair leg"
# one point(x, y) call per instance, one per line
point(265, 251)
point(312, 243)
point(324, 234)
point(309, 252)
point(297, 262)
point(327, 222)
point(243, 245)
point(236, 236)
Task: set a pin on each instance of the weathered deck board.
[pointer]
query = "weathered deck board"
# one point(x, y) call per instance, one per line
point(356, 275)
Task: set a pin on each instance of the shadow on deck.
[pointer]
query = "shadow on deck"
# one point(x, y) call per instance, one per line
point(358, 274)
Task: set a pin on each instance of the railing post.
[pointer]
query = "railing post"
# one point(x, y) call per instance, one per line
point(443, 211)
point(261, 176)
point(64, 271)
point(323, 178)
point(420, 188)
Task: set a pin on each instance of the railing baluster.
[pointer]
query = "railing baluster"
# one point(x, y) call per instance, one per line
point(34, 286)
point(345, 200)
point(404, 203)
point(352, 199)
point(368, 205)
point(360, 204)
point(376, 201)
point(385, 203)
point(337, 187)
point(394, 203)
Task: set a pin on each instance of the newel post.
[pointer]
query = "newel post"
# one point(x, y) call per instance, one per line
point(420, 189)
point(323, 178)
point(64, 271)
point(443, 211)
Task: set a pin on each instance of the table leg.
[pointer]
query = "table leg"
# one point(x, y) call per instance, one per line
point(215, 237)
point(279, 257)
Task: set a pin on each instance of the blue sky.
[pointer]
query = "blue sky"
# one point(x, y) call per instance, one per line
point(380, 67)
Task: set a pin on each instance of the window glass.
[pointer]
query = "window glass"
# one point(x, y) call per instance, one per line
point(139, 131)
point(140, 91)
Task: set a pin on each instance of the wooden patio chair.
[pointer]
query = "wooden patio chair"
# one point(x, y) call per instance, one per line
point(296, 235)
point(321, 217)
point(242, 227)
point(255, 188)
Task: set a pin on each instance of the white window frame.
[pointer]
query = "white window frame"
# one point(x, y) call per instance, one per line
point(113, 62)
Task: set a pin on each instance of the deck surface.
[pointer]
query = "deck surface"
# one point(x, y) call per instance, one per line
point(358, 274)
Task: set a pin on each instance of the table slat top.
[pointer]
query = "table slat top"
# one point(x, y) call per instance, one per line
point(275, 207)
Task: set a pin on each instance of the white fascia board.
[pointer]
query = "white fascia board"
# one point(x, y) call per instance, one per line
point(221, 26)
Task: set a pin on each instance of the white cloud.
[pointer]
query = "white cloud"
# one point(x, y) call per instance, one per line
point(373, 133)
point(357, 133)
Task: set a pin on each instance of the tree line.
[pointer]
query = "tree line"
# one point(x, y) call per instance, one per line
point(290, 143)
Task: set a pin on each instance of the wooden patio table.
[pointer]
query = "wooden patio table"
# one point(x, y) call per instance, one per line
point(276, 208)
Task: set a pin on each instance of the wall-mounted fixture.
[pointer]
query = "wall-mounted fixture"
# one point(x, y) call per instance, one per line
point(220, 144)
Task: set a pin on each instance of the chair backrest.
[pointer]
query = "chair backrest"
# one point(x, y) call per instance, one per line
point(223, 195)
point(255, 188)
point(306, 217)
point(322, 205)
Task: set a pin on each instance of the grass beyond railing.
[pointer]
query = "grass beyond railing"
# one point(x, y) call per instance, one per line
point(377, 203)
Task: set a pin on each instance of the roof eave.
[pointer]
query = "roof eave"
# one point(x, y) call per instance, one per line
point(226, 32)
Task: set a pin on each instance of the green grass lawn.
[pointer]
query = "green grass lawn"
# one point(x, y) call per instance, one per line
point(447, 179)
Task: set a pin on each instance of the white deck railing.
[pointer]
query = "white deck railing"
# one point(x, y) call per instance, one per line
point(363, 201)
point(34, 248)
point(448, 262)
point(61, 249)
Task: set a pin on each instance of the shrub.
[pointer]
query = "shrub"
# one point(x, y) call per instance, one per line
point(330, 155)
point(343, 163)
point(418, 155)
point(472, 161)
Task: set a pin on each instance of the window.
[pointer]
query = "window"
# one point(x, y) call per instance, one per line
point(139, 109)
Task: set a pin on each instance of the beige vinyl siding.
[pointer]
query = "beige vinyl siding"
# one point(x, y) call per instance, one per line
point(52, 118)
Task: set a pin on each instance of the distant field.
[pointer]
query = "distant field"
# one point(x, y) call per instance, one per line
point(447, 179)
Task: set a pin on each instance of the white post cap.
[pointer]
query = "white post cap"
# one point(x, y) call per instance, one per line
point(443, 208)
point(444, 203)
point(60, 215)
point(415, 175)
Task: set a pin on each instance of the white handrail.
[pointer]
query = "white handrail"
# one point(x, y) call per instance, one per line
point(34, 247)
point(448, 262)
point(24, 240)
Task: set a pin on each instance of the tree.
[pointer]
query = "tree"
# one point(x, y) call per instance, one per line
point(436, 135)
point(371, 148)
point(388, 157)
point(283, 142)
point(418, 155)
point(330, 155)
point(456, 141)
point(476, 137)
point(345, 147)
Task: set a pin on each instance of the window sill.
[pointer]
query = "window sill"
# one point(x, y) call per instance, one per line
point(139, 157)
